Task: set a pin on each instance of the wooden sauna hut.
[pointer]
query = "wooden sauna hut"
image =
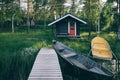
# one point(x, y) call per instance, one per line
point(67, 26)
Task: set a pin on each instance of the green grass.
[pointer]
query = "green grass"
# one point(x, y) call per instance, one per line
point(12, 62)
point(18, 50)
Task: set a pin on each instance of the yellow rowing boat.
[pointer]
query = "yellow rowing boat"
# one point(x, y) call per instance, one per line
point(101, 48)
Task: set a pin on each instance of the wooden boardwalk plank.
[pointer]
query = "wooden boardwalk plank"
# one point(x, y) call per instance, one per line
point(46, 66)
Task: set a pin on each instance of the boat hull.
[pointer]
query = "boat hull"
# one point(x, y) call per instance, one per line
point(101, 48)
point(77, 67)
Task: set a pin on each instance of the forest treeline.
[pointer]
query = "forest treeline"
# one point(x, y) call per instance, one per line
point(41, 12)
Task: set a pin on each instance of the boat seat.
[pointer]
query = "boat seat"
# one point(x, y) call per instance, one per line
point(70, 54)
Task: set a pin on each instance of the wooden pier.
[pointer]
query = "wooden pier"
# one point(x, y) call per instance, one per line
point(46, 66)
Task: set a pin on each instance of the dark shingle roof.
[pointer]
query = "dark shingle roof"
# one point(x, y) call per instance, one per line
point(65, 17)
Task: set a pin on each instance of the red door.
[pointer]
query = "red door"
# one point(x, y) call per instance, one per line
point(72, 28)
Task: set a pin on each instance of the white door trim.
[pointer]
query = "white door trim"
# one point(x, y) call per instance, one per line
point(75, 29)
point(68, 27)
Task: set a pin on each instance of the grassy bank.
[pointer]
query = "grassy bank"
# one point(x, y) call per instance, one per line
point(18, 50)
point(17, 53)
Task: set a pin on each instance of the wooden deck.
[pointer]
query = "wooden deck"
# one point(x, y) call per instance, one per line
point(46, 66)
point(69, 36)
